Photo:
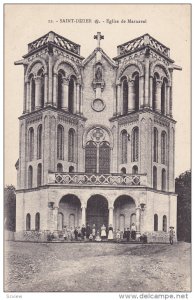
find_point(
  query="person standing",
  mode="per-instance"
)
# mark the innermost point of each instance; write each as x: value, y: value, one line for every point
x: 128, y: 234
x: 171, y: 234
x: 65, y: 233
x: 133, y: 231
x: 83, y: 231
x: 88, y: 231
x: 118, y: 235
x: 76, y: 234
x: 110, y: 232
x: 93, y: 232
x: 103, y: 232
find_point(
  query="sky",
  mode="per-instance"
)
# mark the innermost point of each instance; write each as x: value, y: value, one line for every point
x: 169, y: 24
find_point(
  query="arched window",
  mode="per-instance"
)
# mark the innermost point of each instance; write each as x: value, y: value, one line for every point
x: 163, y: 147
x: 163, y: 96
x: 154, y: 85
x: 59, y: 168
x: 135, y: 144
x: 28, y: 222
x: 32, y: 90
x: 37, y: 221
x: 71, y: 169
x: 125, y: 96
x: 71, y: 145
x: 154, y: 177
x: 42, y: 90
x: 39, y: 142
x: 39, y: 174
x: 31, y: 143
x: 71, y: 95
x: 61, y: 75
x: 60, y: 142
x: 124, y: 139
x: 135, y: 170
x: 104, y: 158
x: 136, y: 88
x: 163, y: 180
x: 155, y: 222
x: 123, y: 171
x: 91, y: 157
x: 165, y: 223
x: 155, y: 158
x: 30, y: 177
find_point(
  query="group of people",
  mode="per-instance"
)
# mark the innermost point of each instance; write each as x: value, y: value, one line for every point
x: 94, y: 234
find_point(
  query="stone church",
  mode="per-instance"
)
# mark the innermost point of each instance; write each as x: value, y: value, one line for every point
x: 97, y: 138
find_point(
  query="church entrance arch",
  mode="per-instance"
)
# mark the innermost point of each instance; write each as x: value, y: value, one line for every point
x: 124, y: 212
x: 70, y: 208
x: 97, y: 211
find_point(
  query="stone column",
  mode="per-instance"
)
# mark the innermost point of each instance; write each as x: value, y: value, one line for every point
x: 168, y: 100
x: 81, y: 100
x: 141, y: 92
x: 118, y: 110
x: 98, y: 155
x: 114, y: 100
x: 65, y: 86
x: 158, y: 96
x: 111, y: 208
x: 151, y: 92
x: 77, y: 98
x: 146, y: 100
x: 24, y: 99
x: 37, y: 92
x: 55, y: 89
x: 83, y: 217
x: 138, y: 213
x: 131, y: 96
x: 171, y: 95
x: 45, y: 89
x: 28, y: 96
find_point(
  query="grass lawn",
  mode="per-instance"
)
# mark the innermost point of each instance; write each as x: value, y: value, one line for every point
x: 93, y: 267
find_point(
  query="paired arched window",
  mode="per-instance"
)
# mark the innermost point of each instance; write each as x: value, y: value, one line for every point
x: 71, y: 145
x: 39, y: 142
x: 39, y: 174
x: 60, y: 142
x: 155, y: 157
x: 135, y: 144
x: 59, y: 168
x: 125, y: 95
x: 71, y: 94
x: 163, y: 147
x: 154, y: 177
x: 28, y: 222
x: 155, y: 222
x: 31, y: 143
x: 37, y: 221
x: 163, y: 180
x: 30, y: 177
x: 165, y: 223
x: 135, y: 170
x: 124, y: 139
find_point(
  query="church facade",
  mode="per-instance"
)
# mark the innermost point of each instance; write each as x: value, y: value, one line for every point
x: 97, y: 139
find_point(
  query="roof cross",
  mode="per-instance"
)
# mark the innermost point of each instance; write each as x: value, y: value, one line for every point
x: 98, y: 37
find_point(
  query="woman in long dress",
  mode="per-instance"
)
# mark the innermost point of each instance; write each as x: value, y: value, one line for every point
x: 103, y: 231
x: 93, y: 232
x: 110, y: 232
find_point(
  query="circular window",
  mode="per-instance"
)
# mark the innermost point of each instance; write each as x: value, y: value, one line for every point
x: 98, y: 104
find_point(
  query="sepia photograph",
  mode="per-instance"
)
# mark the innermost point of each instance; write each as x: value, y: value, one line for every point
x: 97, y: 148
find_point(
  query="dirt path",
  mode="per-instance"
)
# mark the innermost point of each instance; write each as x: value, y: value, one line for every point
x: 97, y: 267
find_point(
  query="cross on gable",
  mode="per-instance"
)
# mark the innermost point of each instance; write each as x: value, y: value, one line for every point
x: 98, y: 37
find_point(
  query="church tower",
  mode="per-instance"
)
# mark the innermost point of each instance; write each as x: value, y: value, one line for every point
x: 97, y: 138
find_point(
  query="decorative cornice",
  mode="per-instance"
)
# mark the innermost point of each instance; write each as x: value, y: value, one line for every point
x: 34, y: 119
x: 129, y: 119
x: 161, y: 121
x: 67, y: 119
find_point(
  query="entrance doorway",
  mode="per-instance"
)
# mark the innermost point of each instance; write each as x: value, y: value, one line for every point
x: 97, y: 211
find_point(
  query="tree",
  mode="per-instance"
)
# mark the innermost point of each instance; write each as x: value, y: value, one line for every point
x: 10, y: 207
x: 183, y: 189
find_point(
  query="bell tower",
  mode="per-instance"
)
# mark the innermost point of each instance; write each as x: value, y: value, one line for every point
x: 52, y: 109
x: 143, y: 111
